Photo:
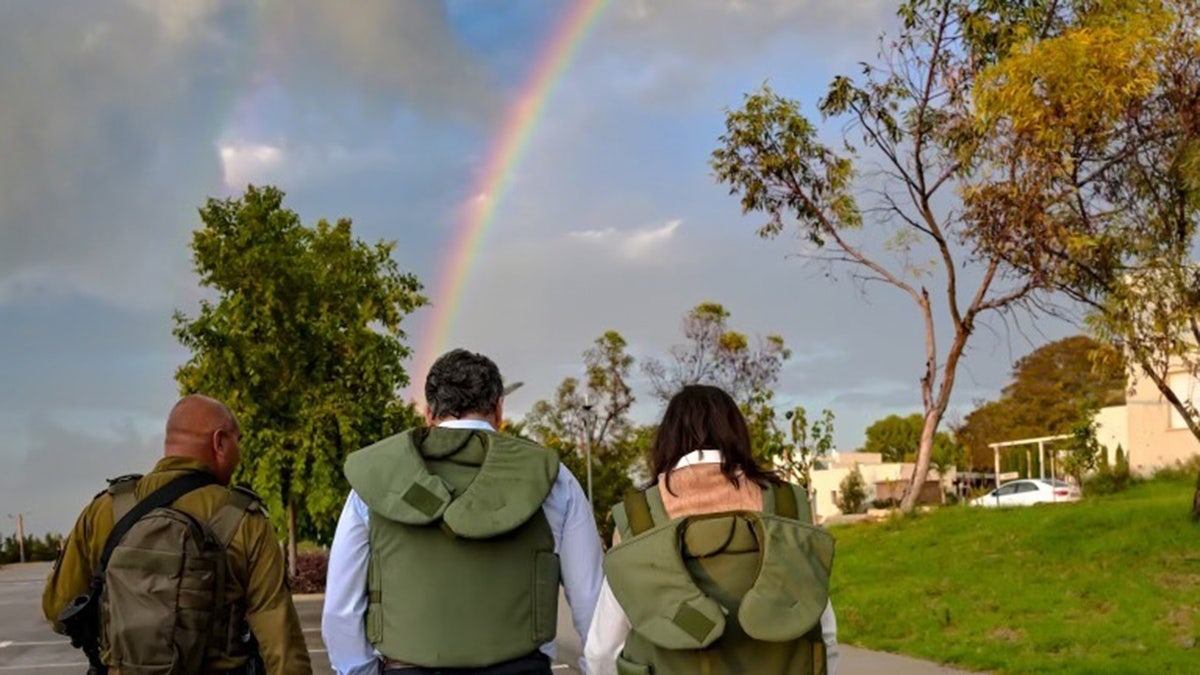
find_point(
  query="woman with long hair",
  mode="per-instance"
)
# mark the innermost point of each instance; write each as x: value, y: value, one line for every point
x: 722, y: 619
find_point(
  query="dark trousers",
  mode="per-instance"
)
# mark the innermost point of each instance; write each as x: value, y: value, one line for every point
x: 534, y: 664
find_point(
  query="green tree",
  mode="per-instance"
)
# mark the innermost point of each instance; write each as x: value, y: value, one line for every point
x: 716, y: 354
x: 796, y: 454
x: 910, y: 111
x: 897, y: 439
x: 1095, y: 143
x: 303, y: 341
x: 852, y: 492
x: 1048, y: 387
x: 1082, y: 452
x: 594, y: 413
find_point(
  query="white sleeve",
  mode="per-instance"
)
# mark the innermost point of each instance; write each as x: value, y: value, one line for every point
x: 606, y: 637
x: 343, y: 619
x: 829, y: 635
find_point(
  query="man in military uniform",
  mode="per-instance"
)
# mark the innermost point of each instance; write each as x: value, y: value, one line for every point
x: 202, y: 435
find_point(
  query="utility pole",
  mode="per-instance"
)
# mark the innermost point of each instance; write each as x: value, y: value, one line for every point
x: 20, y: 534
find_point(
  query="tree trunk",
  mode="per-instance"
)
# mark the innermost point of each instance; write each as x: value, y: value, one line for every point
x: 291, y: 539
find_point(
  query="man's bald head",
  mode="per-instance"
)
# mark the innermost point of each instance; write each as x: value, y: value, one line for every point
x: 203, y: 428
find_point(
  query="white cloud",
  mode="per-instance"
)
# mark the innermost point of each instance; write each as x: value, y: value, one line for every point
x: 243, y: 163
x: 631, y: 244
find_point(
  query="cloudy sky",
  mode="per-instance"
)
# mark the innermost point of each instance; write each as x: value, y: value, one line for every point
x: 119, y: 117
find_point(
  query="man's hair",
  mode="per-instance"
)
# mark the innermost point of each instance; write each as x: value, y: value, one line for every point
x: 461, y: 383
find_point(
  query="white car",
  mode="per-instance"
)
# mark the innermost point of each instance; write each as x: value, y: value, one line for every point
x: 1029, y: 491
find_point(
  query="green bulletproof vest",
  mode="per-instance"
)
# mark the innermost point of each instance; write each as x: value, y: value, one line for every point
x: 462, y: 571
x: 730, y: 592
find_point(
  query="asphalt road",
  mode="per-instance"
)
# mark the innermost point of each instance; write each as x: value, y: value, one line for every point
x: 28, y: 646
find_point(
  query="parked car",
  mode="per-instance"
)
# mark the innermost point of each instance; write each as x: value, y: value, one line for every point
x: 1029, y: 491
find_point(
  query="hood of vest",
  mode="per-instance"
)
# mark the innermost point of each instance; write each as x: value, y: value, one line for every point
x: 514, y: 478
x: 650, y: 579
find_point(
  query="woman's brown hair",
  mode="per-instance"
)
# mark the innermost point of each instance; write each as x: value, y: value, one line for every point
x: 702, y: 417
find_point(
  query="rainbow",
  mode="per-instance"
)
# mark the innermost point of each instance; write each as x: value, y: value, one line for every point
x: 503, y: 157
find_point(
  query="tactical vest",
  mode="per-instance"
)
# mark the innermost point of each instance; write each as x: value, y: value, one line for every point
x: 730, y: 592
x: 164, y: 606
x: 462, y: 570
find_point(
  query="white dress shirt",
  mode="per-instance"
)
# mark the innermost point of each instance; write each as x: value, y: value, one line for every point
x: 343, y: 620
x: 610, y: 625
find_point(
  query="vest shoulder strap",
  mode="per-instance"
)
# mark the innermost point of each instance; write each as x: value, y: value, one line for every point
x: 122, y: 490
x: 637, y: 512
x: 785, y: 501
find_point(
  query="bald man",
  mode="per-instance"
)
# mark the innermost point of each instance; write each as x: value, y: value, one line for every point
x: 202, y: 435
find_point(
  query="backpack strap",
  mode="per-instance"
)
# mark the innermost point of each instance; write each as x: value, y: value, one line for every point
x: 123, y: 491
x: 163, y: 496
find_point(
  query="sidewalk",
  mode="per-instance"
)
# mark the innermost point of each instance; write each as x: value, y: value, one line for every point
x: 856, y: 661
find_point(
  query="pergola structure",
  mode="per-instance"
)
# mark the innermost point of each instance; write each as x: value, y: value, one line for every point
x: 1029, y: 443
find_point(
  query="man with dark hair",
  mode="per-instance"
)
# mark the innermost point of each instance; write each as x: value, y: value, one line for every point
x: 454, y: 540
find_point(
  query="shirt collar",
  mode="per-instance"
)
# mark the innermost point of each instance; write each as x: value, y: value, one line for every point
x: 181, y: 464
x: 708, y: 456
x: 467, y: 424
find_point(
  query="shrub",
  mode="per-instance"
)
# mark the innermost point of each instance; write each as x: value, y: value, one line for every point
x: 853, y: 491
x: 889, y: 503
x: 311, y: 568
x: 1110, y: 479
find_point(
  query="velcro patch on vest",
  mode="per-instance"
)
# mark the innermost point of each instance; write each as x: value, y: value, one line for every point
x: 693, y: 622
x: 421, y: 499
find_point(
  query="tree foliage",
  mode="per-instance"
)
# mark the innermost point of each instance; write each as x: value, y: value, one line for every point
x: 852, y: 492
x: 1049, y: 386
x: 798, y: 451
x: 303, y: 341
x: 909, y: 109
x: 594, y: 410
x: 1082, y: 452
x: 716, y: 354
x: 897, y: 439
x: 1093, y: 173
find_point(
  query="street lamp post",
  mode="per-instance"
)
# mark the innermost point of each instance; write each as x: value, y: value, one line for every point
x: 587, y: 443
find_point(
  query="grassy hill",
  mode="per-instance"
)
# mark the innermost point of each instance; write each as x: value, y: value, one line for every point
x: 1107, y: 585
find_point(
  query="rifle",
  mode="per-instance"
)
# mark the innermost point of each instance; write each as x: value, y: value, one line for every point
x: 81, y: 622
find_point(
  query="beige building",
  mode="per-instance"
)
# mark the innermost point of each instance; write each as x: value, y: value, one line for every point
x: 1150, y: 429
x: 885, y: 480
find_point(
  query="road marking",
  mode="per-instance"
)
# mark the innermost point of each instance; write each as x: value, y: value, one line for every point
x: 73, y: 664
x: 35, y: 643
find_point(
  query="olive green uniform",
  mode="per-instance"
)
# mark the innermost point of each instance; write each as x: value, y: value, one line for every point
x: 257, y: 582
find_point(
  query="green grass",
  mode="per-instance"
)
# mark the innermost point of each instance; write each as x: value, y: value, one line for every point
x: 1107, y: 585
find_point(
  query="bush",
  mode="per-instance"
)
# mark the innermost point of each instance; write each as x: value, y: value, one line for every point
x: 1181, y: 471
x: 1110, y: 479
x: 311, y: 568
x: 853, y: 491
x: 889, y: 503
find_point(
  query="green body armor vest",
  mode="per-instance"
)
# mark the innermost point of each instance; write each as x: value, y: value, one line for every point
x: 731, y: 592
x: 462, y: 570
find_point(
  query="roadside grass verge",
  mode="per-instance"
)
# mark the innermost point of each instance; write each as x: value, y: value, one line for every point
x: 1107, y: 585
